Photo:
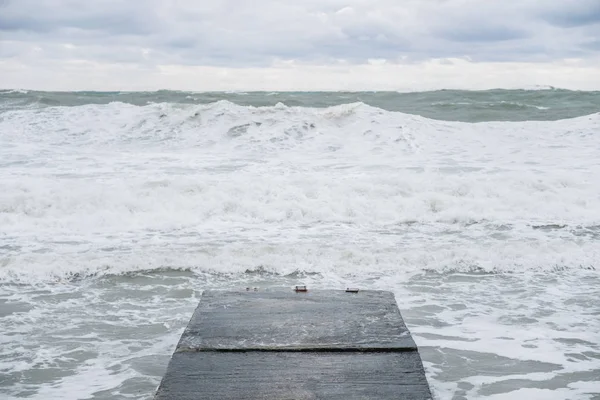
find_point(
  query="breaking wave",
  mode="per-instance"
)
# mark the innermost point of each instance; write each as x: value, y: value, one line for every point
x: 353, y: 189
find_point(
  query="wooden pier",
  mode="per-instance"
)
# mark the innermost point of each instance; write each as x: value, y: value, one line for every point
x: 296, y: 345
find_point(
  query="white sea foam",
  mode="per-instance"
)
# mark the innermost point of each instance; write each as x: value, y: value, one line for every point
x: 19, y: 91
x: 114, y: 188
x: 488, y: 104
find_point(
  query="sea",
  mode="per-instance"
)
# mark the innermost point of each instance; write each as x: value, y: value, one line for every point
x: 479, y: 210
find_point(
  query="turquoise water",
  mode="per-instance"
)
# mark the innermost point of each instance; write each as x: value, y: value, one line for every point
x: 451, y: 105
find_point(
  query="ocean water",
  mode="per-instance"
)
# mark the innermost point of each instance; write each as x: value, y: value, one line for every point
x: 479, y: 210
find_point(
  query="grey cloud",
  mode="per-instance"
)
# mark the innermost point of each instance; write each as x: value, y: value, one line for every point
x: 249, y: 33
x: 592, y: 45
x: 114, y: 24
x: 484, y: 33
x: 44, y: 16
x: 573, y: 13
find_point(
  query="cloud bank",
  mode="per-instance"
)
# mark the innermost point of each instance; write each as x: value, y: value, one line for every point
x: 298, y: 44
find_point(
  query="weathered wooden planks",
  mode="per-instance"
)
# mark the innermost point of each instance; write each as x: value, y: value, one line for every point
x: 286, y: 345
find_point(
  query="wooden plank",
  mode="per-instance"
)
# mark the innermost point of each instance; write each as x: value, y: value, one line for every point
x: 294, y: 376
x: 317, y: 319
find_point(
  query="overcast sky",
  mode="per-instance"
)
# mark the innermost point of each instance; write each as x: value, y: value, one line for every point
x: 298, y: 44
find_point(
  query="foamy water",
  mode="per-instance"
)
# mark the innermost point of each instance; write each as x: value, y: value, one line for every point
x: 114, y: 218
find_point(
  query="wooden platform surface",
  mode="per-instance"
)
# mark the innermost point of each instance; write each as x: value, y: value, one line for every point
x: 279, y: 344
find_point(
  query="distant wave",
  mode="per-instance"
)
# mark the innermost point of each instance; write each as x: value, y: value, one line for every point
x: 455, y: 105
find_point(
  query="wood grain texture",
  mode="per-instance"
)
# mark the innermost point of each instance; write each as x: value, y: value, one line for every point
x: 294, y: 376
x: 318, y: 319
x: 278, y: 345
